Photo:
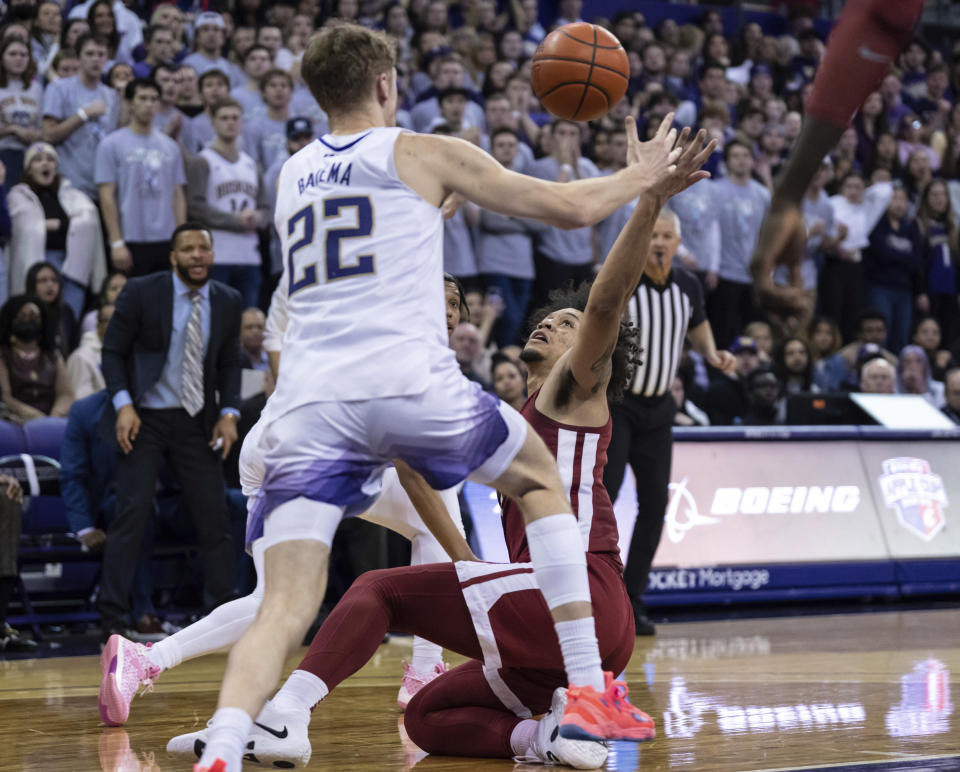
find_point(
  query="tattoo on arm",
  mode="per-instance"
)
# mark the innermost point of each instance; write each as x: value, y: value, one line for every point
x: 601, y: 365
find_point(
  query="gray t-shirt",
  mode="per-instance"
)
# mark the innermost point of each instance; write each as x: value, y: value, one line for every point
x: 458, y: 255
x: 146, y: 170
x: 252, y: 101
x: 505, y: 245
x: 696, y: 208
x: 196, y: 133
x: 265, y: 139
x: 20, y: 106
x: 202, y: 64
x: 571, y: 247
x: 740, y: 210
x: 78, y: 152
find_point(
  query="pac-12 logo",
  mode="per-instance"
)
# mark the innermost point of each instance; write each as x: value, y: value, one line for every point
x: 916, y: 494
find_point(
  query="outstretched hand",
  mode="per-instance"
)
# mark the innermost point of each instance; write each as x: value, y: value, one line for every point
x: 782, y: 241
x: 656, y: 158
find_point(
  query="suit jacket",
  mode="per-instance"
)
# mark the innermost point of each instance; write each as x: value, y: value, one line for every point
x: 88, y: 464
x: 137, y: 340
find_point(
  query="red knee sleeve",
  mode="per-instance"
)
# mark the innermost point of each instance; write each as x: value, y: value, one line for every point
x: 866, y: 39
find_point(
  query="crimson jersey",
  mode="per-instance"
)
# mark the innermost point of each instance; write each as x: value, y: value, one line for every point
x: 581, y: 453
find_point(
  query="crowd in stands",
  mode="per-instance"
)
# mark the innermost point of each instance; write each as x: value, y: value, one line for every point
x: 121, y: 121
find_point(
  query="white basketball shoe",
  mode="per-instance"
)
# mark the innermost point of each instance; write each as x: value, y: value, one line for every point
x: 548, y: 747
x: 277, y: 741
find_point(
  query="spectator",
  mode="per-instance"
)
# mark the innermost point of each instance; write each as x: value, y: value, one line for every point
x: 159, y: 44
x: 197, y: 132
x: 940, y: 286
x: 563, y: 256
x: 209, y: 31
x: 509, y: 382
x: 226, y: 194
x: 793, y: 366
x: 103, y: 24
x: 252, y: 354
x: 78, y: 113
x: 871, y: 331
x: 697, y: 212
x: 56, y: 222
x: 65, y: 64
x: 10, y: 516
x: 33, y: 377
x: 927, y: 335
x: 467, y: 344
x: 952, y: 395
x: 726, y: 399
x: 170, y: 17
x: 858, y: 209
x: 914, y: 377
x: 109, y: 291
x: 825, y: 340
x: 265, y: 136
x: 188, y: 94
x: 878, y: 376
x: 688, y: 414
x: 741, y: 204
x: 141, y: 178
x: 167, y: 118
x: 45, y: 34
x: 762, y: 335
x: 170, y: 350
x: 84, y: 372
x: 891, y: 268
x: 127, y: 23
x: 449, y: 74
x: 763, y: 398
x: 45, y: 282
x: 256, y: 63
x: 505, y: 251
x: 21, y: 100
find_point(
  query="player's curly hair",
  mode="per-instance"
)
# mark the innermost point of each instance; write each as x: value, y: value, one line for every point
x: 627, y: 354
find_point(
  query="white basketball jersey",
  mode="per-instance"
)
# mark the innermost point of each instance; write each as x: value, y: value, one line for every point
x: 232, y: 187
x: 363, y: 262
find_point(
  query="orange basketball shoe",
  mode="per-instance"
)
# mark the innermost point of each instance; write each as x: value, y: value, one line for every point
x: 606, y: 715
x: 218, y: 766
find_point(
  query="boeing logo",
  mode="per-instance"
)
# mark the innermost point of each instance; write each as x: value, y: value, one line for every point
x: 683, y: 514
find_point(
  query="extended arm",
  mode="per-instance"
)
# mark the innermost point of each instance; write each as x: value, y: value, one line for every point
x: 434, y: 165
x: 198, y: 207
x: 434, y: 514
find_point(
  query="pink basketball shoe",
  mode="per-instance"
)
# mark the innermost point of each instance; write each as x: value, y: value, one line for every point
x: 125, y: 668
x: 413, y: 682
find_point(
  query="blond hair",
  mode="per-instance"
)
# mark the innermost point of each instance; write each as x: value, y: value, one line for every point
x: 342, y: 62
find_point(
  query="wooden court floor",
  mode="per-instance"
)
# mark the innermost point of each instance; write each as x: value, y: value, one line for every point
x: 729, y: 696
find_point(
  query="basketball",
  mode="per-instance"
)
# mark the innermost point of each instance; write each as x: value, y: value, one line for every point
x: 579, y: 72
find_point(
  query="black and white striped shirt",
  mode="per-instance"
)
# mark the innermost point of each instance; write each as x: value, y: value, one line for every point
x: 663, y: 313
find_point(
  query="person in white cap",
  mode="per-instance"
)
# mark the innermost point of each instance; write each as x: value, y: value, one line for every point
x: 209, y: 31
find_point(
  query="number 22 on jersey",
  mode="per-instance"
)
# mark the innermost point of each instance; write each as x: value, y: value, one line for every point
x: 305, y: 221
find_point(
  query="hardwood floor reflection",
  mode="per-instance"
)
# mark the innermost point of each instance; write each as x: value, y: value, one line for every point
x: 727, y: 696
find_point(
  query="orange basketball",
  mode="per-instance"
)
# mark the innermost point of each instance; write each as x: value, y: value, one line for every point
x: 580, y: 71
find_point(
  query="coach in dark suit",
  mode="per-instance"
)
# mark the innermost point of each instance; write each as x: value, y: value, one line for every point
x: 171, y: 362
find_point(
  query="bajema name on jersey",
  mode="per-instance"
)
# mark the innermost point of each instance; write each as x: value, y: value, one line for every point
x: 332, y: 172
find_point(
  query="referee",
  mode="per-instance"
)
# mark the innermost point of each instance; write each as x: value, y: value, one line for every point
x: 666, y: 306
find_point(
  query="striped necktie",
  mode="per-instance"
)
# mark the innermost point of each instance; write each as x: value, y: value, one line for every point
x: 191, y: 383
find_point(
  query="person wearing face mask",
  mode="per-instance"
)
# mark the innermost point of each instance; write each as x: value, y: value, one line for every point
x: 54, y: 221
x: 33, y: 376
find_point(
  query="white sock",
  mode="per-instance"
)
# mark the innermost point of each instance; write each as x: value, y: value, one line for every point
x: 581, y: 656
x: 300, y: 693
x: 522, y: 736
x: 426, y: 655
x: 221, y: 628
x: 227, y: 740
x: 560, y: 565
